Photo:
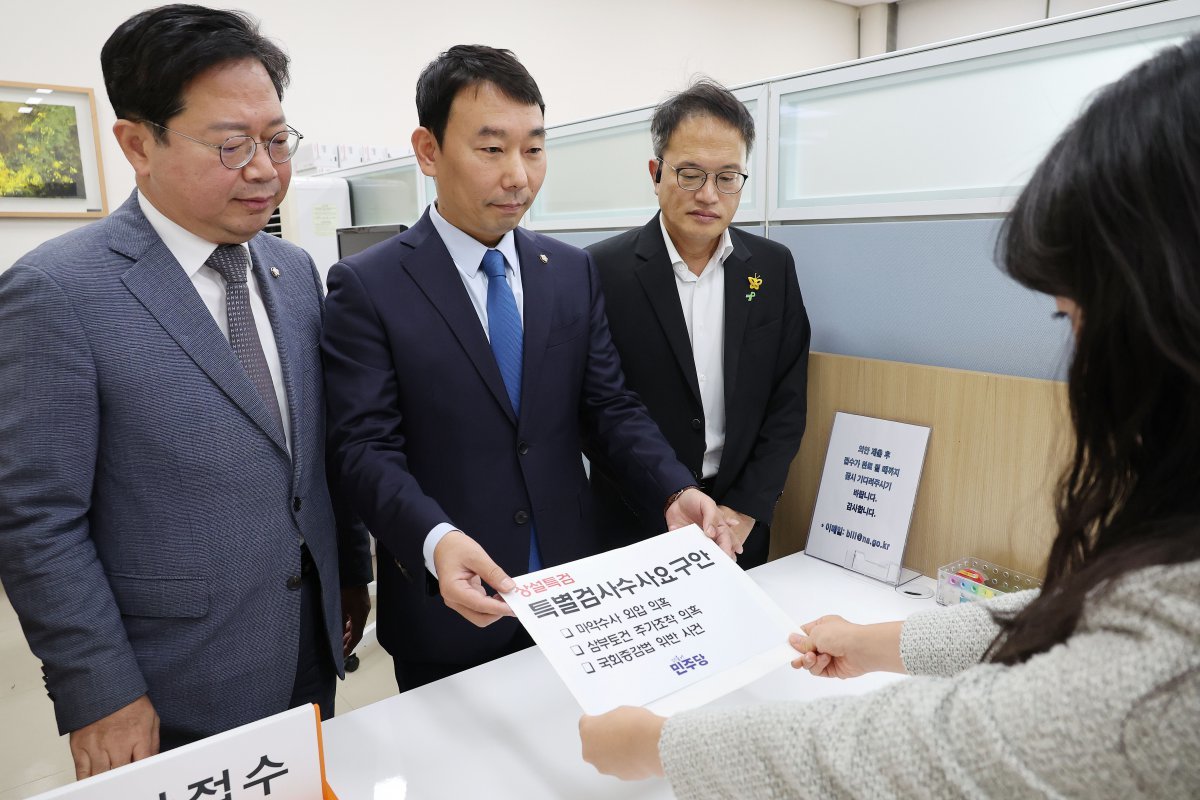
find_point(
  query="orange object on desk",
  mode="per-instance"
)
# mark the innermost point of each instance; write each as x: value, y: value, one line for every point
x: 972, y: 575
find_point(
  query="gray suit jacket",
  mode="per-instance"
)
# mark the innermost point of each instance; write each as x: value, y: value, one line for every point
x: 149, y: 517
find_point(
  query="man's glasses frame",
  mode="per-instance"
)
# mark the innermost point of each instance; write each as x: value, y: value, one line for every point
x: 685, y: 176
x: 233, y: 152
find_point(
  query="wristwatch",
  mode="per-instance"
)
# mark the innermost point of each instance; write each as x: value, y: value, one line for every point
x: 671, y: 500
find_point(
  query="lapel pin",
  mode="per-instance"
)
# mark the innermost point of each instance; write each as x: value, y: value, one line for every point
x: 756, y: 283
x: 274, y: 272
x: 544, y: 258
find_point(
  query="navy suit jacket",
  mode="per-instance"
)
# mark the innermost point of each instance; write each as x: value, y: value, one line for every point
x: 150, y: 513
x: 422, y: 430
x: 765, y: 369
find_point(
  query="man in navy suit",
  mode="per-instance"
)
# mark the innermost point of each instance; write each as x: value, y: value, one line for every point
x: 167, y: 536
x: 710, y: 325
x: 464, y: 360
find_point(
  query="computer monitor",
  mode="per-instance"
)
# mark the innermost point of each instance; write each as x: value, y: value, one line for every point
x: 360, y: 237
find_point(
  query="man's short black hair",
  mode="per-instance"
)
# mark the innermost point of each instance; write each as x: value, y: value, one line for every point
x: 704, y: 98
x: 466, y: 65
x: 152, y: 56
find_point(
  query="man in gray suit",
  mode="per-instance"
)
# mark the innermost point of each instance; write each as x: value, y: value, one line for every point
x: 166, y: 532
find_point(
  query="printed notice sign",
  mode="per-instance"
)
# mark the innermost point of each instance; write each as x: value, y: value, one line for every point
x: 325, y: 219
x: 668, y: 623
x: 278, y: 757
x: 865, y: 502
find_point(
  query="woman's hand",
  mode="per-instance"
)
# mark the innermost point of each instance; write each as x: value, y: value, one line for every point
x: 623, y: 743
x: 834, y: 648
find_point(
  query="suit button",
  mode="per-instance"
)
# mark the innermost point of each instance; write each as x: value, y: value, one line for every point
x: 521, y: 517
x: 295, y: 504
x: 293, y: 582
x: 523, y: 448
x: 697, y: 425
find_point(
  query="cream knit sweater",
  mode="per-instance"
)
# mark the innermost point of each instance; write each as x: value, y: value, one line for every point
x: 1112, y: 712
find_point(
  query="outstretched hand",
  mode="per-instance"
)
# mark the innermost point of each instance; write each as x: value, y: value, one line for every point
x: 831, y: 647
x: 463, y: 567
x: 695, y: 507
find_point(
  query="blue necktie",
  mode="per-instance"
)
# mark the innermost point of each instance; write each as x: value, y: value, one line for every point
x: 504, y: 326
x: 507, y: 338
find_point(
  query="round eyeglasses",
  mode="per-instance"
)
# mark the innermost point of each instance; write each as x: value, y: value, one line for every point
x: 238, y: 151
x: 692, y: 179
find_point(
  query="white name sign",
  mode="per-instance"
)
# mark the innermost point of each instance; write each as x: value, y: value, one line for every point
x: 668, y: 623
x: 865, y: 502
x: 277, y: 757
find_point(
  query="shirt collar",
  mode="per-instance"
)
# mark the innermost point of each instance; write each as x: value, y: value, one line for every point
x: 189, y: 250
x: 724, y: 247
x: 466, y: 251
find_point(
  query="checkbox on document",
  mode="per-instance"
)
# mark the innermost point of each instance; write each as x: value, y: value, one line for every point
x: 588, y: 668
x: 576, y: 649
x: 567, y: 634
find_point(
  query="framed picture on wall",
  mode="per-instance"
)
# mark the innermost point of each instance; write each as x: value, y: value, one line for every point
x: 49, y: 152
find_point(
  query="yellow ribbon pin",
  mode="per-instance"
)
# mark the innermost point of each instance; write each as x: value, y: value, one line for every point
x: 756, y: 283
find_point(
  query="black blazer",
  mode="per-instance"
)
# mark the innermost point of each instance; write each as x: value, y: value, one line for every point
x: 765, y: 366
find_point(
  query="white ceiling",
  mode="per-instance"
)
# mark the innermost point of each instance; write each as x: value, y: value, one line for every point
x: 860, y: 2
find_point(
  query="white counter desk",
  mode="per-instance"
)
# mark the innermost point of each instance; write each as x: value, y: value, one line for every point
x: 508, y: 729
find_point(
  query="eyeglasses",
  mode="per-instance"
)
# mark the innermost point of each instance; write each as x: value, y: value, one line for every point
x: 692, y: 179
x: 238, y: 151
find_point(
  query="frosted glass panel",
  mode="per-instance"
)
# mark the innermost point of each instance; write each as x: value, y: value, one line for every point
x: 757, y: 165
x: 970, y: 129
x: 598, y: 174
x: 385, y: 196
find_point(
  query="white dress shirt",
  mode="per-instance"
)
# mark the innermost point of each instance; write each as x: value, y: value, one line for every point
x: 702, y: 298
x: 191, y: 252
x: 467, y: 254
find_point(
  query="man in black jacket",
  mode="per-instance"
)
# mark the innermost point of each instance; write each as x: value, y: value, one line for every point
x: 709, y: 323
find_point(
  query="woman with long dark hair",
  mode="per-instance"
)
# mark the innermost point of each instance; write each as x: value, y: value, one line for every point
x: 1092, y: 686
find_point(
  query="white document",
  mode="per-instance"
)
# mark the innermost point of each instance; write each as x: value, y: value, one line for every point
x: 669, y: 623
x: 865, y: 501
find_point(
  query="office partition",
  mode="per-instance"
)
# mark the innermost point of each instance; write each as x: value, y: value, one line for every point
x: 888, y: 179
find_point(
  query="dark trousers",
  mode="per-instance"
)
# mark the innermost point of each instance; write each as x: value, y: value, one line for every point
x: 316, y: 676
x: 757, y: 546
x: 413, y: 674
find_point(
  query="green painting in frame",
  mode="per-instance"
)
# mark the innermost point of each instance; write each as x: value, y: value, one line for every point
x: 49, y: 152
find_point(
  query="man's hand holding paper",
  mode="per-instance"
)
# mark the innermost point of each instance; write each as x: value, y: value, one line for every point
x: 694, y: 507
x: 462, y: 569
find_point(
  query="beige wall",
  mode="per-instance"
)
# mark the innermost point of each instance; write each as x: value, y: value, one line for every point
x: 921, y: 22
x: 355, y: 62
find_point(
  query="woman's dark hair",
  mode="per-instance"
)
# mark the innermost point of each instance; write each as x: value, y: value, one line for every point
x: 464, y: 66
x: 1111, y: 221
x: 704, y: 98
x: 150, y: 59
